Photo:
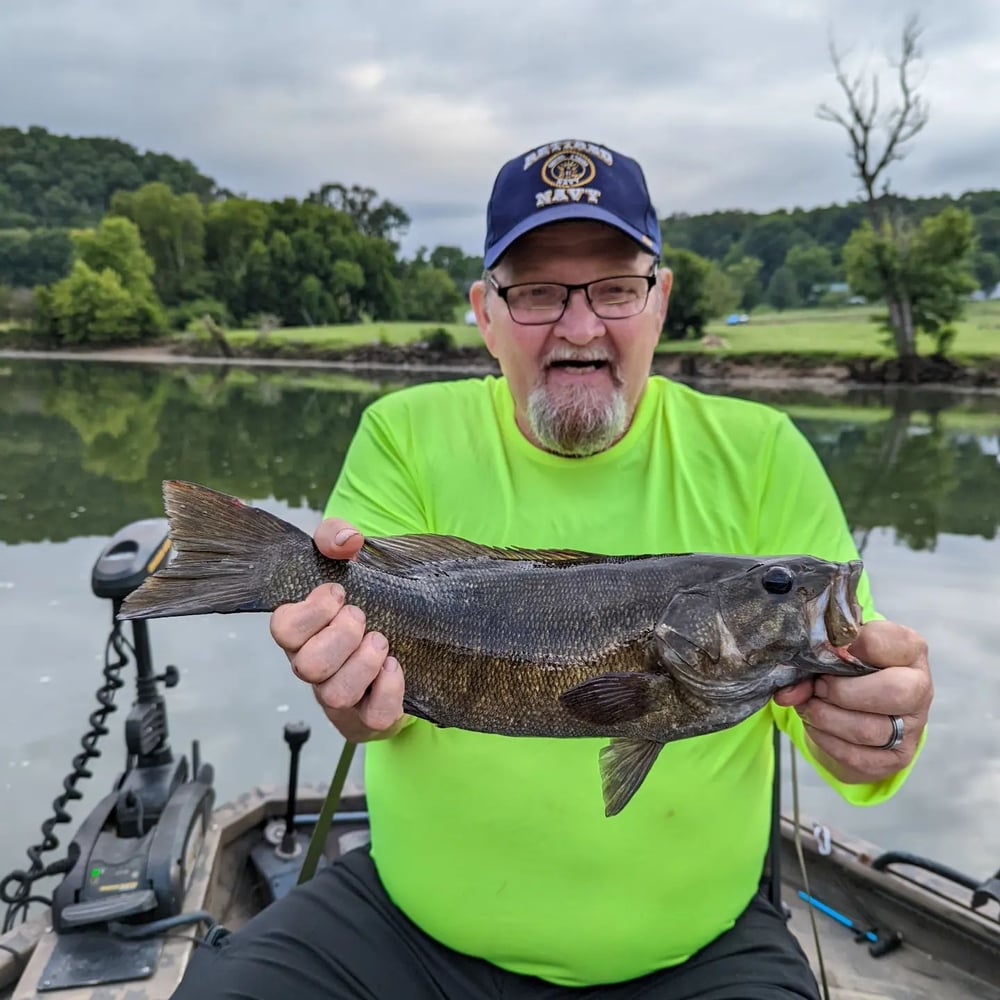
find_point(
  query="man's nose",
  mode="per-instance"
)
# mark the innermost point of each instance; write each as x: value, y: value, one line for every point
x: 579, y: 323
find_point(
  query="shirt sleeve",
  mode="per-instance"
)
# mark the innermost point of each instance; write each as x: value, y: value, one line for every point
x: 378, y: 486
x: 800, y: 513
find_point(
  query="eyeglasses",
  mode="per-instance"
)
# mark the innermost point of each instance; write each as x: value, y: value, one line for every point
x: 539, y: 303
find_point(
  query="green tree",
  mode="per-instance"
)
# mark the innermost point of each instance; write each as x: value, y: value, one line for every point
x: 694, y: 295
x: 462, y: 268
x: 108, y: 295
x: 30, y: 257
x: 91, y: 306
x: 769, y: 238
x: 986, y: 267
x: 428, y: 293
x: 373, y: 216
x: 172, y: 227
x: 744, y: 273
x: 232, y: 227
x: 932, y: 261
x: 811, y: 265
x: 117, y: 246
x: 888, y: 227
x: 63, y: 181
x: 783, y: 289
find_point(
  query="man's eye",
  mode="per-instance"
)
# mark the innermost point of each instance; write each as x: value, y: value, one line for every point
x: 534, y: 295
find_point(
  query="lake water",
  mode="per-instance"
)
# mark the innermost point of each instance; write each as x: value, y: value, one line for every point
x: 84, y: 447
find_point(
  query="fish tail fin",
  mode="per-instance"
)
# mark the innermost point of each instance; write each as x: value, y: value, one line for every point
x: 218, y: 564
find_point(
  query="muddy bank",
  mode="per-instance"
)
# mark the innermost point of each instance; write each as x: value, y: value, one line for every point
x: 429, y: 358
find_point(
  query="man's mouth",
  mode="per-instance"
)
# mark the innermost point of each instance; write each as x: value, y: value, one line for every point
x: 580, y: 365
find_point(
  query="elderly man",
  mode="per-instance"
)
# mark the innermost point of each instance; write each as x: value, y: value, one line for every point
x: 493, y: 870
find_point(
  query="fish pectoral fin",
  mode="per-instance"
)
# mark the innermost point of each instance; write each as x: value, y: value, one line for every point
x: 611, y: 698
x: 625, y: 762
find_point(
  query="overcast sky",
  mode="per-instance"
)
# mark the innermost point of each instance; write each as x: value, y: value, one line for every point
x: 423, y: 99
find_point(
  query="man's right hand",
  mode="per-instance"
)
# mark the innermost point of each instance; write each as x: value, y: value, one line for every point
x: 355, y: 680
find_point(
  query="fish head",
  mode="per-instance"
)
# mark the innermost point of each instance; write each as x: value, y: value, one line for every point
x: 774, y: 623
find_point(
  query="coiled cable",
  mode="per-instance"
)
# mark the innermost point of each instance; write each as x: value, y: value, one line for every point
x: 17, y: 889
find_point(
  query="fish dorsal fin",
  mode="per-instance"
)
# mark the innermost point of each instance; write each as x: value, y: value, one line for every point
x: 409, y: 555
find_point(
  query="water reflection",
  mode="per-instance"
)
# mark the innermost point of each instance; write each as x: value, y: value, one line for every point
x: 84, y: 447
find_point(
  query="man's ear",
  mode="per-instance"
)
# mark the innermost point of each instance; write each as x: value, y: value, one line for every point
x: 478, y: 299
x: 665, y: 281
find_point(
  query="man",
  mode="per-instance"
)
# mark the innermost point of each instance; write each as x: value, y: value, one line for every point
x: 493, y: 870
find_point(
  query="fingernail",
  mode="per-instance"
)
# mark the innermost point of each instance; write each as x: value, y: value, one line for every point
x: 339, y: 594
x: 391, y: 664
x: 345, y: 535
x: 379, y: 642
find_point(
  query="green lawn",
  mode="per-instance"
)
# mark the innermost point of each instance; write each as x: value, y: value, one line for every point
x: 848, y: 331
x: 845, y: 331
x: 356, y: 334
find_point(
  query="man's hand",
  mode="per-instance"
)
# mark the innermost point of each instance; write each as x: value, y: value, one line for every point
x: 848, y: 719
x: 355, y: 680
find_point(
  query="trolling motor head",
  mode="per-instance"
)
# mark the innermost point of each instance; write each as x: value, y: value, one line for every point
x: 132, y: 554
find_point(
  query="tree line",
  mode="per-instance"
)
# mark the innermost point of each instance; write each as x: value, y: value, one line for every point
x: 121, y: 244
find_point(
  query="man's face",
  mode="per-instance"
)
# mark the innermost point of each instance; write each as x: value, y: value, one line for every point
x: 561, y: 404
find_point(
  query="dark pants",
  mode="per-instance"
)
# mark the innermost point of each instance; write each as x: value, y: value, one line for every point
x: 340, y: 936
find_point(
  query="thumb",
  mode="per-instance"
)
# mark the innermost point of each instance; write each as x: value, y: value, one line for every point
x: 338, y: 539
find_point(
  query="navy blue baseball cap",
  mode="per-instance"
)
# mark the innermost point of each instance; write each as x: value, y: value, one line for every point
x: 569, y: 179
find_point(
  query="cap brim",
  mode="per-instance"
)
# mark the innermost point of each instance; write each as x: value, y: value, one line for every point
x: 558, y: 213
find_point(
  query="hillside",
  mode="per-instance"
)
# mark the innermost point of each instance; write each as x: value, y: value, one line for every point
x: 58, y: 181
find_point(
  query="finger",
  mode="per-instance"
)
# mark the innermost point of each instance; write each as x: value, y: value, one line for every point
x: 347, y: 686
x: 294, y: 624
x: 891, y: 691
x: 886, y: 644
x: 796, y: 694
x: 338, y: 539
x: 383, y: 705
x: 858, y: 763
x: 867, y: 729
x: 328, y: 650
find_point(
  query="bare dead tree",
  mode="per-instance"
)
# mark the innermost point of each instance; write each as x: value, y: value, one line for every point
x: 877, y: 140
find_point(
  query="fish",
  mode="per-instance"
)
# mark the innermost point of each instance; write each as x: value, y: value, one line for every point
x: 640, y: 649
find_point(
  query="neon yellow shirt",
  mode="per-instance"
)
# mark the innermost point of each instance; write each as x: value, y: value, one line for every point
x: 498, y: 846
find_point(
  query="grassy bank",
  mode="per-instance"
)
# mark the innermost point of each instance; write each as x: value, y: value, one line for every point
x: 799, y: 339
x: 849, y: 332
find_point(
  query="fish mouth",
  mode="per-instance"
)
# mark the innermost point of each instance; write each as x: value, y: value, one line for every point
x: 834, y: 623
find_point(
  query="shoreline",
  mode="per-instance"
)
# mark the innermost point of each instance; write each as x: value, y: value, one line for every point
x: 416, y: 360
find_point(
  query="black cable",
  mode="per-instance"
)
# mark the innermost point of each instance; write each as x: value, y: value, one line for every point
x: 17, y: 888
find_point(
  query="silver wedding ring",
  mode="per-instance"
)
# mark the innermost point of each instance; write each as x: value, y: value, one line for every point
x: 897, y: 733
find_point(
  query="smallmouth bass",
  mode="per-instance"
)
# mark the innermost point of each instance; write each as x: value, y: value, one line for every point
x: 641, y: 649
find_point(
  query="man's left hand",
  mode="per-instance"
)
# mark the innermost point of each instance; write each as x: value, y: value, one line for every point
x: 848, y: 720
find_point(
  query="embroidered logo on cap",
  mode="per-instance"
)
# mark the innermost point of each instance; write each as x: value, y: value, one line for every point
x: 568, y: 170
x: 567, y: 174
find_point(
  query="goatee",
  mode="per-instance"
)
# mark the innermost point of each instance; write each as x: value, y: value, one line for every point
x: 577, y: 421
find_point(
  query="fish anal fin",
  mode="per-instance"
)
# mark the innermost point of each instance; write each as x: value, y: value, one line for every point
x: 611, y: 698
x: 625, y: 762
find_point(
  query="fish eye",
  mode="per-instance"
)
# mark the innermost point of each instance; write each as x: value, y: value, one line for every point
x: 778, y: 580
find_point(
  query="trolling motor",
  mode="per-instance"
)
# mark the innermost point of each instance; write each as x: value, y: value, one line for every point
x: 130, y: 861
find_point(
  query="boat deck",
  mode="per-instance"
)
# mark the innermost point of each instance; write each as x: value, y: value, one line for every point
x: 948, y: 951
x: 908, y: 973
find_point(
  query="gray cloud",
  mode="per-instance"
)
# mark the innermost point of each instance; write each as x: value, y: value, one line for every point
x: 423, y: 101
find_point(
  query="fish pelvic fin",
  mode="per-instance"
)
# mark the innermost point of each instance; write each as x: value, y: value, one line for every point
x: 625, y: 762
x: 217, y: 567
x: 612, y: 698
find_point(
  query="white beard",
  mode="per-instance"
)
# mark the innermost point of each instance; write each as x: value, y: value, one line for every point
x: 577, y: 422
